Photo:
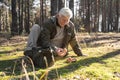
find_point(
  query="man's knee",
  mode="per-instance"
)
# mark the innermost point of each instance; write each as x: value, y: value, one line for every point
x: 36, y: 27
x: 43, y: 59
x: 28, y: 53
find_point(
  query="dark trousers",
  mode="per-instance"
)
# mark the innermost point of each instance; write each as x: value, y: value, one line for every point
x: 41, y: 58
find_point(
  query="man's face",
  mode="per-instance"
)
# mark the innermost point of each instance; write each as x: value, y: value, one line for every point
x: 63, y: 20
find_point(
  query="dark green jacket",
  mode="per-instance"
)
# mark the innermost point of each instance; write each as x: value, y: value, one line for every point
x: 49, y: 31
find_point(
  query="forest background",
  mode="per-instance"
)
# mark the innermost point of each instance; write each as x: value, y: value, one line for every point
x: 97, y: 23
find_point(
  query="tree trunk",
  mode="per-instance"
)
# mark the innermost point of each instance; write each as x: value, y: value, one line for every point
x: 28, y: 16
x: 27, y: 30
x: 14, y: 27
x: 87, y: 20
x: 71, y: 5
x: 109, y: 24
x: 117, y: 16
x: 21, y: 19
x: 41, y: 12
x: 54, y: 7
x: 98, y: 14
x: 6, y: 22
x: 104, y: 16
x: 60, y: 4
x: 0, y: 19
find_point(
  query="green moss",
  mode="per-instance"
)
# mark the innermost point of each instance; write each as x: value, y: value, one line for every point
x: 100, y: 64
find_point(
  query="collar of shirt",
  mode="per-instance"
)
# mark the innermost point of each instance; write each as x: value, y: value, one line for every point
x: 57, y: 23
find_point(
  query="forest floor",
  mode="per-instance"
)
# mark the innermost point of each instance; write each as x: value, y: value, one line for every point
x: 101, y: 63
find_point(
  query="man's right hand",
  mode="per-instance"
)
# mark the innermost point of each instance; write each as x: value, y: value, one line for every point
x: 61, y: 52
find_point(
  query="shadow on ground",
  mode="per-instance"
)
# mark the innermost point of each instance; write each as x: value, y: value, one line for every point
x: 84, y: 62
x: 99, y: 40
x: 7, y: 66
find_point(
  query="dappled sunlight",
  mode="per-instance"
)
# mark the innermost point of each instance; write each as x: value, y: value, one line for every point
x: 101, y: 63
x: 92, y: 25
x: 11, y: 57
x: 86, y: 62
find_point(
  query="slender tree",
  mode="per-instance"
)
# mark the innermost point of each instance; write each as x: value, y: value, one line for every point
x: 19, y: 17
x: 104, y: 16
x: 6, y: 22
x: 87, y: 19
x: 109, y: 18
x: 28, y: 16
x: 54, y: 7
x: 26, y: 19
x: 117, y: 16
x: 14, y: 27
x: 0, y: 19
x: 41, y: 12
x: 71, y: 5
x: 60, y: 4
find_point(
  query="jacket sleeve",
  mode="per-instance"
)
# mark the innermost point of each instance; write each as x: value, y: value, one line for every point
x: 45, y: 36
x: 74, y: 43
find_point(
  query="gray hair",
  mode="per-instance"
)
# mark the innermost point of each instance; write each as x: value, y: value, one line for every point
x: 66, y: 12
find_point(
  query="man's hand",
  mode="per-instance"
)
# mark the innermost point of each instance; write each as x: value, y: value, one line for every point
x: 61, y: 52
